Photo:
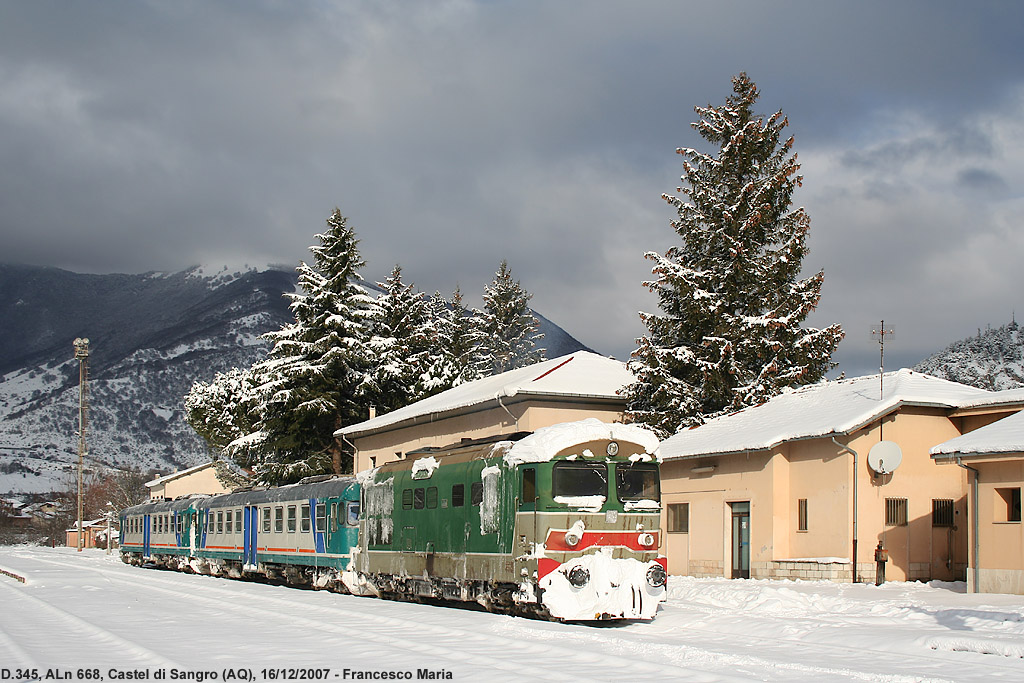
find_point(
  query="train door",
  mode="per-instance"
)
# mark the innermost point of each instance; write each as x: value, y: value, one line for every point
x: 740, y: 540
x: 250, y: 524
x: 145, y: 537
x: 526, y: 514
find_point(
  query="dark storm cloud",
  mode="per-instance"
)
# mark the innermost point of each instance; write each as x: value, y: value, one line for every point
x: 154, y: 135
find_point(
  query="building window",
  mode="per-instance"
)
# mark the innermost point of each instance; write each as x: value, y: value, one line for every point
x: 679, y: 518
x: 896, y: 511
x: 801, y: 514
x: 942, y: 512
x: 1008, y: 505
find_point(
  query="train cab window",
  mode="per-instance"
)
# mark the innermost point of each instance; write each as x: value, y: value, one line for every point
x: 577, y: 479
x: 458, y: 495
x: 229, y: 520
x: 321, y: 517
x: 220, y: 522
x: 407, y: 499
x: 266, y: 520
x: 529, y: 492
x: 418, y: 498
x: 476, y: 493
x: 431, y: 497
x: 291, y: 519
x: 278, y: 519
x: 638, y: 482
x: 352, y: 513
x: 238, y: 521
x: 304, y: 523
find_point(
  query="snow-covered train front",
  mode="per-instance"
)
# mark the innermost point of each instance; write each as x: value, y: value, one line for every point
x: 563, y: 522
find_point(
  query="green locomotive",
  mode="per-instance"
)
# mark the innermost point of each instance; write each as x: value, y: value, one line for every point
x: 561, y: 523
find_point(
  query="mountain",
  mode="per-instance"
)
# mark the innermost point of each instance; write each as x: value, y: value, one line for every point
x: 151, y: 336
x: 993, y: 360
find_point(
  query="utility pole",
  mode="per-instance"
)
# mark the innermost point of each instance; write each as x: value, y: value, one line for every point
x: 82, y: 355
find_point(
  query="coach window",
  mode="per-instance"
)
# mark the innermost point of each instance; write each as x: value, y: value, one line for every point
x: 418, y: 498
x: 407, y: 499
x: 431, y: 497
x: 458, y: 495
x: 476, y: 493
x: 181, y: 522
x: 352, y: 513
x: 266, y: 520
x: 291, y: 519
x: 278, y: 519
x: 220, y: 522
x: 229, y: 521
x: 238, y: 521
x: 305, y: 520
x: 321, y: 517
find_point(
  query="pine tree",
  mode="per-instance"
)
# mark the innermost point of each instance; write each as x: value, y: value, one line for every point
x: 317, y: 365
x: 225, y: 409
x: 454, y: 344
x: 398, y: 344
x: 729, y: 334
x: 506, y: 327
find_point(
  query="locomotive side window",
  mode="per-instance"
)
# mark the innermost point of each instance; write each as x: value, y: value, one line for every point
x: 352, y: 513
x: 458, y: 495
x: 266, y: 520
x: 291, y: 519
x: 278, y: 519
x: 573, y: 479
x: 418, y: 499
x: 431, y: 497
x: 304, y: 524
x: 321, y: 517
x: 407, y: 499
x: 476, y: 493
x: 529, y: 492
x: 638, y: 482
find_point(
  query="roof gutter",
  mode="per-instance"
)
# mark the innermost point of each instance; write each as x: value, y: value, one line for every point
x: 846, y: 448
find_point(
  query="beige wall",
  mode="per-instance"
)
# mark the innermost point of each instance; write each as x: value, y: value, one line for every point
x: 818, y: 471
x: 523, y: 415
x: 200, y: 481
x: 1001, y: 560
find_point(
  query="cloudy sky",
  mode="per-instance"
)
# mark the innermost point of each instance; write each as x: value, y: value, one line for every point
x: 138, y: 136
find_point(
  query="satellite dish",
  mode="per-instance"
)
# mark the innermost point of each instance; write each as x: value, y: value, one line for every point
x: 884, y: 457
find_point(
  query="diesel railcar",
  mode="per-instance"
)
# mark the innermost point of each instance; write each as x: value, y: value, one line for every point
x: 561, y: 523
x: 300, y: 534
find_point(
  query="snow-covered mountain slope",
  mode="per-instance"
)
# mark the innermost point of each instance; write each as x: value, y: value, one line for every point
x: 151, y: 336
x: 993, y: 360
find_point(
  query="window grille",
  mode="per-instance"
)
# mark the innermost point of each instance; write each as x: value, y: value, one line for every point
x: 896, y: 511
x: 942, y: 512
x: 801, y: 509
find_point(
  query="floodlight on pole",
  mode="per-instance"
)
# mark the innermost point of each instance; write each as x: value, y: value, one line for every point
x: 82, y: 356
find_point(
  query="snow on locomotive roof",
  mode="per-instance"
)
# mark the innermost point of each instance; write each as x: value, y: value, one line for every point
x: 546, y: 442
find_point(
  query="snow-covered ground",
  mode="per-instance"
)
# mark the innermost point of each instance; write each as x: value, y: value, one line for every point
x: 80, y: 614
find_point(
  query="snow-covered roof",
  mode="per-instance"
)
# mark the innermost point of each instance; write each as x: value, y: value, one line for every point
x: 827, y: 408
x: 1002, y: 436
x: 175, y: 475
x: 577, y: 375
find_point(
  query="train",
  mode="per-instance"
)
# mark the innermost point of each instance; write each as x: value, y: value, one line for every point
x: 562, y: 523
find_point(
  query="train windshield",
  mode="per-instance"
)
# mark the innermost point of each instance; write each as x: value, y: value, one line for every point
x: 575, y: 479
x: 638, y: 482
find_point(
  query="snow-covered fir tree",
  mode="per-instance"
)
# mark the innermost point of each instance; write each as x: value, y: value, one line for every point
x: 729, y: 333
x: 317, y: 366
x: 454, y: 343
x: 506, y: 327
x: 993, y: 360
x: 399, y: 345
x: 224, y: 409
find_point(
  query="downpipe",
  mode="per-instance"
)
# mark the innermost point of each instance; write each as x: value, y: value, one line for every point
x: 975, y: 545
x: 843, y: 447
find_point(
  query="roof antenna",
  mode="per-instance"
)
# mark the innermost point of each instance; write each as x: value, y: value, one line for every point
x: 880, y: 332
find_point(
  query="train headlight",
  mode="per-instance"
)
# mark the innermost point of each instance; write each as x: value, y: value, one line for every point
x: 579, y: 576
x: 572, y: 538
x: 646, y: 540
x: 656, y: 576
